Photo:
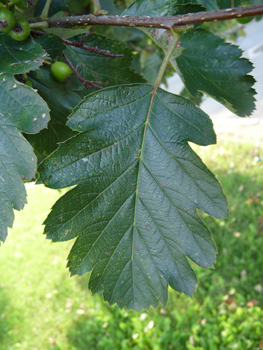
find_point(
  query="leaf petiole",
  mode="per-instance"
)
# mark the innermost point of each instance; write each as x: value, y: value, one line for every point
x: 174, y: 43
x: 44, y: 13
x: 158, y: 80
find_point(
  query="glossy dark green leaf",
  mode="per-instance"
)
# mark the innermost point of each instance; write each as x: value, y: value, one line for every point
x: 22, y: 110
x: 96, y: 67
x: 139, y: 184
x: 20, y: 56
x: 210, y: 65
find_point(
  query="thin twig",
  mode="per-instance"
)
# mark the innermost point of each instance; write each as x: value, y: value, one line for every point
x: 88, y: 84
x: 95, y: 49
x: 155, y: 22
x: 84, y: 37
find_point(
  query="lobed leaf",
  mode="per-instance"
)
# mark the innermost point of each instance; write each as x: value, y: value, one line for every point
x: 210, y: 65
x: 139, y: 183
x: 21, y: 109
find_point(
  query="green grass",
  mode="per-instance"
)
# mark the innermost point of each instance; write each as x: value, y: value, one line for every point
x: 42, y: 308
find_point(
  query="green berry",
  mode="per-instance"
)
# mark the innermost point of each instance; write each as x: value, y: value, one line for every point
x: 7, y: 20
x: 61, y: 71
x: 21, y: 30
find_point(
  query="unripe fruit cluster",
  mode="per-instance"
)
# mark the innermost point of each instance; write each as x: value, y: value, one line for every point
x: 18, y: 28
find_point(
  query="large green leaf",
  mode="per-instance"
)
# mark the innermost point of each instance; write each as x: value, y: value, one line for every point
x: 21, y: 110
x: 210, y: 65
x: 139, y: 184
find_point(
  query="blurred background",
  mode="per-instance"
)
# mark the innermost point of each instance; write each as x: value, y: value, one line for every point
x: 43, y: 308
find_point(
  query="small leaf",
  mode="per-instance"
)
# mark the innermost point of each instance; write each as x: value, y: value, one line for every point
x: 21, y: 109
x: 139, y: 184
x: 210, y: 65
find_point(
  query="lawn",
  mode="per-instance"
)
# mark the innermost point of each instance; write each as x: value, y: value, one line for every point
x: 43, y: 308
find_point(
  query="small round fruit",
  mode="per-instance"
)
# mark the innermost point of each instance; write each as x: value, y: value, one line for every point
x: 61, y: 71
x: 21, y: 30
x: 244, y: 20
x: 26, y: 4
x: 7, y: 20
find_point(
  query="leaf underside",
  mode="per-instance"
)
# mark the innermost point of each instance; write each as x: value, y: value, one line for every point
x: 139, y: 184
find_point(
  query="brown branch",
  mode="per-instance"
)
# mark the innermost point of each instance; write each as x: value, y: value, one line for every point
x: 95, y: 49
x: 155, y: 22
x: 88, y: 84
